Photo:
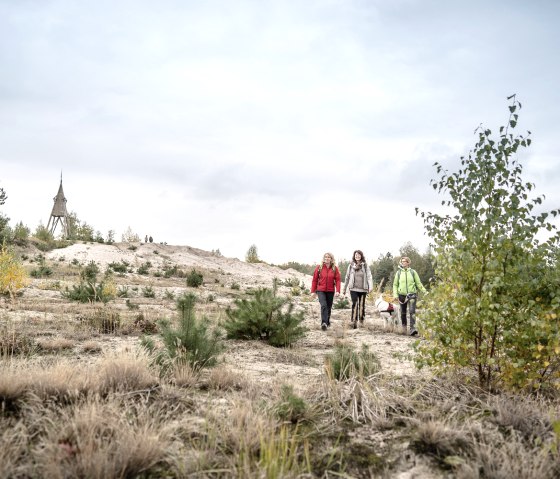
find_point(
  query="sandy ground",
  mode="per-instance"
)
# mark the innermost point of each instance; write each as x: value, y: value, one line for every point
x: 254, y: 359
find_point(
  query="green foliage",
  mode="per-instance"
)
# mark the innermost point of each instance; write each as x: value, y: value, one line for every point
x: 235, y: 286
x: 80, y: 230
x: 121, y: 267
x: 191, y: 342
x: 21, y: 234
x: 89, y: 290
x: 43, y: 234
x: 252, y: 255
x: 291, y: 407
x: 144, y: 268
x: 345, y: 363
x: 423, y: 264
x: 194, y: 279
x: 382, y: 269
x: 148, y: 292
x: 496, y: 306
x: 265, y: 316
x: 43, y: 270
x: 341, y: 303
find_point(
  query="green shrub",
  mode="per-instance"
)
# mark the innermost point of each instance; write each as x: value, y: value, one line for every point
x: 43, y: 270
x: 169, y: 294
x: 121, y: 267
x: 265, y: 316
x: 123, y: 292
x: 345, y: 363
x: 89, y: 290
x: 235, y: 286
x: 291, y: 407
x: 144, y: 268
x: 341, y: 303
x: 148, y: 292
x: 194, y: 279
x: 190, y: 342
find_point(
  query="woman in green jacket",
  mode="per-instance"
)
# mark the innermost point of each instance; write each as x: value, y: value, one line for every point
x: 405, y: 288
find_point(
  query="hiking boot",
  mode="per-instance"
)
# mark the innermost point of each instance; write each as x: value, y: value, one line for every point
x: 324, y: 326
x: 414, y: 332
x: 355, y: 325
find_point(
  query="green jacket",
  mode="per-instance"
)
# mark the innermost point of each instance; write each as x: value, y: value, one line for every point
x: 407, y: 281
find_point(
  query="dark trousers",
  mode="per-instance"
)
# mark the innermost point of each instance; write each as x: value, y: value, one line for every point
x: 411, y: 303
x: 358, y: 305
x: 326, y: 301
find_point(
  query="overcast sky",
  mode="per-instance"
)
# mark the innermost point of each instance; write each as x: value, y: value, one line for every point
x: 299, y: 126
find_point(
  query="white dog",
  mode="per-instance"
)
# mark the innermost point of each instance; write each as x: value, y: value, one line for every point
x: 388, y: 311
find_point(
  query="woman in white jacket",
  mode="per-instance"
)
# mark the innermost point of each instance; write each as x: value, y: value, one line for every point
x: 358, y: 280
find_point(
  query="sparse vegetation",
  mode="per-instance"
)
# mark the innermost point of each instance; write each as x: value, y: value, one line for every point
x: 345, y: 363
x: 194, y: 279
x: 265, y: 316
x: 89, y: 290
x: 191, y: 342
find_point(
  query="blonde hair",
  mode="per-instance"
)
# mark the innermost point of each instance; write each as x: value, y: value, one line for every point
x: 406, y: 258
x: 333, y: 261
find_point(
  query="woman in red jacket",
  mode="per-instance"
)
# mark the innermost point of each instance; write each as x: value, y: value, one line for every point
x: 326, y: 280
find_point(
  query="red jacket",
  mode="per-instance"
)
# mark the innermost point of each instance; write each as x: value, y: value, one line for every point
x: 327, y: 281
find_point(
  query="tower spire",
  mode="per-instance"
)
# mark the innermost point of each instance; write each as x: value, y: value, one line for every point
x: 59, y: 214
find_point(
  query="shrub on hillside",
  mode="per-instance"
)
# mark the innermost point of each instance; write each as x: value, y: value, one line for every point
x: 13, y: 276
x: 265, y: 316
x: 89, y: 290
x: 191, y: 342
x: 194, y: 279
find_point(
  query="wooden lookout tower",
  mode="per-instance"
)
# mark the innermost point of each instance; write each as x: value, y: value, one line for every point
x: 59, y: 214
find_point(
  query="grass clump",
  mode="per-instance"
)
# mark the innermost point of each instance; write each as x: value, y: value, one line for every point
x: 103, y: 320
x: 190, y: 342
x: 291, y: 407
x: 265, y: 316
x: 345, y: 363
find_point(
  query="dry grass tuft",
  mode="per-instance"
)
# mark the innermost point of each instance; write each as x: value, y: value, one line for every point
x: 496, y: 457
x: 55, y: 345
x: 96, y: 440
x: 530, y: 417
x: 184, y: 375
x: 125, y: 373
x: 222, y: 378
x: 13, y: 451
x: 91, y: 347
x: 13, y: 388
x: 440, y: 440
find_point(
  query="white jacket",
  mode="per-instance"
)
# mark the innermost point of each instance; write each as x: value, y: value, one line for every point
x: 349, y: 279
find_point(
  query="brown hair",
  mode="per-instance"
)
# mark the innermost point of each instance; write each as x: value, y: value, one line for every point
x: 359, y: 251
